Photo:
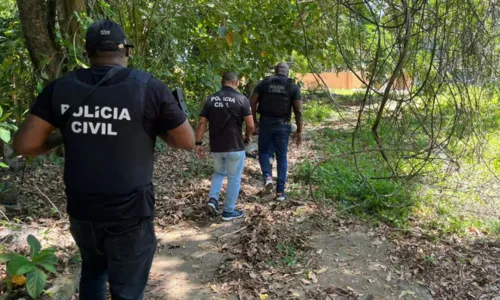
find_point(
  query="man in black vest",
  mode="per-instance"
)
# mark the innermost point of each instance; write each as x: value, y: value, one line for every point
x: 109, y: 140
x: 225, y: 112
x: 276, y: 96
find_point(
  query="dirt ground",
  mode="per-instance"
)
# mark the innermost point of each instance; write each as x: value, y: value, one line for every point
x: 201, y: 257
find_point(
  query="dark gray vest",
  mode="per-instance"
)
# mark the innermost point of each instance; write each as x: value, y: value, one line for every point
x: 276, y: 98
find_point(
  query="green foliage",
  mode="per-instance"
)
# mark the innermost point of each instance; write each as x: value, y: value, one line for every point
x: 316, y: 112
x: 33, y: 267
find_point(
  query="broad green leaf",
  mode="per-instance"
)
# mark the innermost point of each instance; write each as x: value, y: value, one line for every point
x: 1, y: 111
x: 19, y: 266
x: 8, y: 126
x: 45, y: 76
x: 4, y: 135
x: 3, y: 165
x: 48, y: 267
x: 6, y: 257
x: 35, y: 245
x: 35, y: 282
x: 5, y: 117
x: 45, y: 257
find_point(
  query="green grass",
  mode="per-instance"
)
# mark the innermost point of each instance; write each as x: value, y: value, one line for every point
x: 316, y: 112
x: 442, y: 202
x: 339, y: 183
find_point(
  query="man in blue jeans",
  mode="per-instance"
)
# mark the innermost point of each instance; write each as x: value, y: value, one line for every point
x: 109, y: 116
x: 225, y: 112
x: 276, y: 96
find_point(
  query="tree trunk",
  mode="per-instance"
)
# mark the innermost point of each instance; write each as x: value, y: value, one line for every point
x: 67, y: 20
x: 38, y: 23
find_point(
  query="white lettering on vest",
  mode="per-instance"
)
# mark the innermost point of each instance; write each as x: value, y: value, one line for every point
x: 64, y: 108
x: 97, y: 112
x: 79, y: 113
x: 124, y: 115
x: 94, y: 128
x: 73, y: 127
x: 87, y: 113
x: 110, y: 130
x: 106, y: 113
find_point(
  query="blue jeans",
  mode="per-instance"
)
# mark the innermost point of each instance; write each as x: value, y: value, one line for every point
x: 228, y: 164
x: 119, y: 252
x: 276, y: 133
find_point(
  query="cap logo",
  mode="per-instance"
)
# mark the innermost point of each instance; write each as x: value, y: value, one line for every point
x: 105, y: 32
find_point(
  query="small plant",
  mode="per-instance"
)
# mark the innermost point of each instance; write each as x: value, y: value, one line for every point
x: 288, y: 253
x: 30, y: 272
x: 430, y: 259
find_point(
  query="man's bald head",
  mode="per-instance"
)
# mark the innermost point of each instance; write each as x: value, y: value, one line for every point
x: 282, y: 69
x: 230, y: 79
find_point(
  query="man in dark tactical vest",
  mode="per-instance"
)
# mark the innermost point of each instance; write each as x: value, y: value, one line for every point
x: 276, y: 96
x: 225, y: 112
x: 114, y: 116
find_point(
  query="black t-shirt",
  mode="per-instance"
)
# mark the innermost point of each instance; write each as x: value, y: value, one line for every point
x: 161, y: 113
x: 225, y: 111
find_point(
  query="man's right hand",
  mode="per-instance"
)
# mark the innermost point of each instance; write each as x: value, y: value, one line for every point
x: 200, y: 152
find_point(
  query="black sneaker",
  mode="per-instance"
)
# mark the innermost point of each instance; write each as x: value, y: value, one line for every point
x: 228, y: 216
x: 213, y: 205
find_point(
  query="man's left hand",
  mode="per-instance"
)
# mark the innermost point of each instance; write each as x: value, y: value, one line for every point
x: 298, y: 138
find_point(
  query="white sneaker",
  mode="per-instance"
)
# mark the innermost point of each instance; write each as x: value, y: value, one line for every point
x: 280, y: 197
x: 269, y: 185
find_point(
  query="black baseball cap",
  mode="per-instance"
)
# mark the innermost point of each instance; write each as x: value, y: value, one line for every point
x: 106, y: 35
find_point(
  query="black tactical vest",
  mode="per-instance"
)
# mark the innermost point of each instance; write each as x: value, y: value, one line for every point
x: 107, y: 151
x: 276, y: 98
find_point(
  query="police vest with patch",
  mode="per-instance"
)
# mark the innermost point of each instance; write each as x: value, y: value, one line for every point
x: 276, y: 98
x: 107, y: 150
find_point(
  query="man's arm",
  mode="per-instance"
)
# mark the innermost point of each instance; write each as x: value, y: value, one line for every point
x: 34, y: 137
x: 297, y: 111
x: 253, y: 104
x: 250, y: 127
x: 200, y: 130
x: 181, y: 137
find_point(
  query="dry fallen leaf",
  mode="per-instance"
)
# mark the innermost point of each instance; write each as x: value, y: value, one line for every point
x: 214, y: 288
x: 321, y: 271
x: 319, y: 251
x: 406, y: 293
x: 305, y: 281
x: 313, y: 277
x: 389, y: 277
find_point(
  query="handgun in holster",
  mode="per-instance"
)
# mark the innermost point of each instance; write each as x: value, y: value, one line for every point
x: 179, y: 96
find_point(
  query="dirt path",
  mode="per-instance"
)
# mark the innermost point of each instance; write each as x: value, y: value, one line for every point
x: 352, y: 261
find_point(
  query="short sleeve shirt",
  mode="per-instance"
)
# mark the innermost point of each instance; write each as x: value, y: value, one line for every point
x: 225, y: 111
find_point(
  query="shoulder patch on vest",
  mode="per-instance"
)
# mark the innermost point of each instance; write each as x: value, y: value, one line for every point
x: 140, y: 76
